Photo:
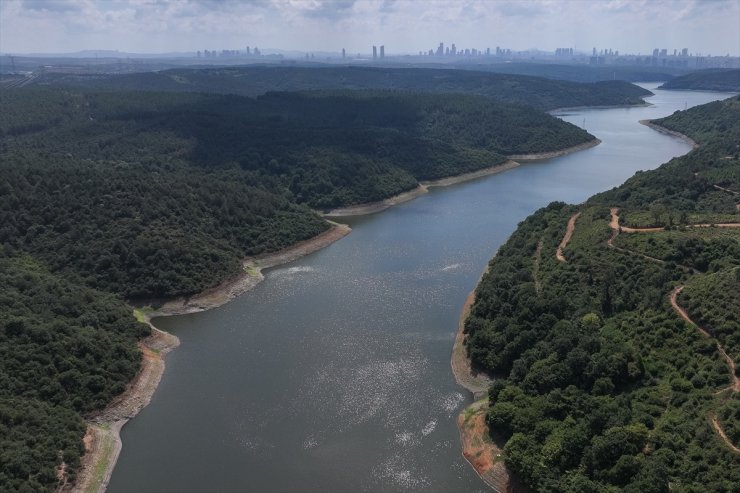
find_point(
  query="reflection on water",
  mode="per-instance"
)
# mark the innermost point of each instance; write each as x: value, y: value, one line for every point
x: 334, y: 373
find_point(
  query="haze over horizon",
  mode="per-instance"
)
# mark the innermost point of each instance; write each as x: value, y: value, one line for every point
x: 408, y: 26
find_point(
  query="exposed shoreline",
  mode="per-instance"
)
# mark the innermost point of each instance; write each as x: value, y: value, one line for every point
x: 673, y: 133
x: 478, y: 449
x: 102, y: 439
x: 424, y: 186
x: 553, y: 154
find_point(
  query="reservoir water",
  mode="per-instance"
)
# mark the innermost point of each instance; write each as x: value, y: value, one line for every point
x: 334, y: 374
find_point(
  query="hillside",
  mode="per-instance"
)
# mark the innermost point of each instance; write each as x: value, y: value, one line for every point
x: 616, y: 361
x: 707, y: 80
x: 540, y: 93
x: 107, y: 197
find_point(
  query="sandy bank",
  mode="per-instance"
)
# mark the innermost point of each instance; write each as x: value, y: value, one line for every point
x: 381, y: 205
x: 663, y: 130
x: 102, y: 440
x: 373, y: 207
x: 476, y: 382
x: 603, y: 106
x: 482, y: 452
x: 552, y: 154
x: 424, y: 186
x: 250, y: 276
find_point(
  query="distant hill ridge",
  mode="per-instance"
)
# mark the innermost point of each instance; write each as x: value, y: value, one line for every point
x: 707, y: 80
x: 538, y: 92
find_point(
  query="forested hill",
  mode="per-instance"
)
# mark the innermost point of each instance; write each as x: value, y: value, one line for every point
x: 109, y: 196
x: 603, y: 385
x: 540, y: 93
x: 707, y: 80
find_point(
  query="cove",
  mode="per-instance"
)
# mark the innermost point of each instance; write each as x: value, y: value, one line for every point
x: 334, y: 373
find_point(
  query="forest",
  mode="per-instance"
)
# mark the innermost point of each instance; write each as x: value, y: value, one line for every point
x: 538, y: 92
x: 600, y: 383
x: 111, y: 197
x: 707, y: 80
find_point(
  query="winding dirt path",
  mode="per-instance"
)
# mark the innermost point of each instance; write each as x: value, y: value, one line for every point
x: 566, y: 238
x: 714, y: 421
x: 616, y: 229
x: 735, y: 381
x: 684, y: 315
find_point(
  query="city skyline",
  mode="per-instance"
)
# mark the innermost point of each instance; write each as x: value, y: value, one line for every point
x: 403, y: 27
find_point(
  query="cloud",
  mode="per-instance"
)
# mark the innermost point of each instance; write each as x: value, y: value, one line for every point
x: 53, y: 5
x: 402, y: 25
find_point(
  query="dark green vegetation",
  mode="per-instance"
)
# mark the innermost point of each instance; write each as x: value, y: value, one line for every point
x: 65, y: 350
x: 540, y: 93
x: 707, y: 80
x: 157, y: 195
x: 602, y: 386
x: 581, y: 73
x: 108, y: 196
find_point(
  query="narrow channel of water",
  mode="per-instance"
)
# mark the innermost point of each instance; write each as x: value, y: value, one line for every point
x: 334, y: 373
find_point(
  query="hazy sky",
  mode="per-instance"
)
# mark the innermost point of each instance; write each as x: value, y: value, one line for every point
x: 403, y: 26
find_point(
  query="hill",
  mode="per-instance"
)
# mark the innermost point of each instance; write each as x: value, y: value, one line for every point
x: 616, y: 359
x: 707, y: 80
x: 540, y: 93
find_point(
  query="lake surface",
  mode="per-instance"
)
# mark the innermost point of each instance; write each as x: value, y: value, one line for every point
x: 334, y: 373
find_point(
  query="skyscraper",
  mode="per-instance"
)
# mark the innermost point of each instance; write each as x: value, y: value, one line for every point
x: 375, y: 52
x: 382, y: 51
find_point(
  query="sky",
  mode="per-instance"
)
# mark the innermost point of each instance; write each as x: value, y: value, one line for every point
x: 403, y: 26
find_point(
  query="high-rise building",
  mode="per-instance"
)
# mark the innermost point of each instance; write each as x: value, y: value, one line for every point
x: 382, y: 51
x: 375, y: 52
x: 453, y: 50
x: 441, y: 49
x: 685, y: 52
x: 343, y: 54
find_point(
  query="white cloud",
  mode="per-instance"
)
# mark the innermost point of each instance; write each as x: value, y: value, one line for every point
x: 402, y: 25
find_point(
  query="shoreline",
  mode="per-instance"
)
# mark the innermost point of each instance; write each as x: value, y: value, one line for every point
x: 477, y: 446
x: 250, y: 276
x: 673, y: 133
x: 553, y: 154
x: 605, y: 106
x: 102, y: 439
x: 424, y: 186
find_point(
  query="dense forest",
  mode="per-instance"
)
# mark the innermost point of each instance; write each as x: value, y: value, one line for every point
x: 707, y: 80
x: 578, y: 73
x: 538, y: 92
x: 114, y: 196
x: 601, y: 385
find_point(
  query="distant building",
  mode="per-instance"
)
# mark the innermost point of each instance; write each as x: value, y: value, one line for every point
x: 382, y: 51
x: 375, y: 52
x: 343, y: 54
